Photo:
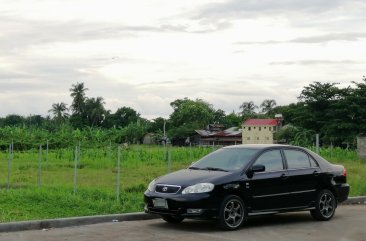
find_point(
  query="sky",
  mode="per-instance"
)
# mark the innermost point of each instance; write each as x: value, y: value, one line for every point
x: 146, y: 53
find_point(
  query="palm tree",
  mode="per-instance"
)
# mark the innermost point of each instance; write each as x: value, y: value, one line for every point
x: 59, y: 111
x: 78, y: 95
x: 95, y: 111
x: 268, y: 105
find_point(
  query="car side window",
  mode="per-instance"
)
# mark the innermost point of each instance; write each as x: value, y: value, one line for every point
x: 272, y: 160
x: 297, y: 159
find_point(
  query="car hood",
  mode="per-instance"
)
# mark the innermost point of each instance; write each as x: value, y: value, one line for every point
x: 187, y: 177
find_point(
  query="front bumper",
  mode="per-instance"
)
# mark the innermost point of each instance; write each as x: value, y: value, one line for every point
x: 206, y: 204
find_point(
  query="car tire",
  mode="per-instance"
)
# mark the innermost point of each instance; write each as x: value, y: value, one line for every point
x: 172, y: 219
x: 232, y: 213
x: 325, y: 206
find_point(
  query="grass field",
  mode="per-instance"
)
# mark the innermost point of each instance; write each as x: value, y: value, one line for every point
x: 52, y: 195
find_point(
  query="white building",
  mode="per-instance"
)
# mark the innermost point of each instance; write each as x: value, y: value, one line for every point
x: 259, y: 131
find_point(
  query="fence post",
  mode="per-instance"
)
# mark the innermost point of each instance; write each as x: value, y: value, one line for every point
x: 317, y: 143
x: 118, y: 172
x: 39, y: 166
x: 164, y: 152
x: 169, y: 158
x: 75, y: 167
x: 190, y: 152
x: 47, y: 152
x: 9, y: 162
x: 331, y: 149
x: 110, y: 152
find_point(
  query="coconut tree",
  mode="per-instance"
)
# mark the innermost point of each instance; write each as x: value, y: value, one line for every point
x: 59, y: 111
x: 78, y: 95
x: 95, y: 111
x: 268, y: 105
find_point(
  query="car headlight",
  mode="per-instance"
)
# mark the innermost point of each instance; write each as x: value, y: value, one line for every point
x: 199, y: 188
x: 151, y: 186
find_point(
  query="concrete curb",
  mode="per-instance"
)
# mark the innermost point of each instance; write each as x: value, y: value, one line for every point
x: 355, y: 200
x: 74, y: 221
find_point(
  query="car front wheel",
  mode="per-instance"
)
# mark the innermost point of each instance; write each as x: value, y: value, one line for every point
x: 325, y: 206
x: 232, y: 213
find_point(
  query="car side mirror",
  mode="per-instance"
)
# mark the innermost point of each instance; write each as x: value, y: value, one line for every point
x: 258, y: 168
x: 254, y: 169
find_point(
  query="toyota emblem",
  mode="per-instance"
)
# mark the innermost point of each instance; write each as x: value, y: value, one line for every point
x: 165, y: 189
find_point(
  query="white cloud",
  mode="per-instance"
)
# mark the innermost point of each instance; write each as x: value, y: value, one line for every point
x: 145, y: 54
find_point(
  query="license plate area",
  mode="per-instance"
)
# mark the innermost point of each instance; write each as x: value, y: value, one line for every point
x: 160, y: 203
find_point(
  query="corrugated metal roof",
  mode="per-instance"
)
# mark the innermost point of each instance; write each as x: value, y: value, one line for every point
x: 261, y: 122
x: 227, y: 132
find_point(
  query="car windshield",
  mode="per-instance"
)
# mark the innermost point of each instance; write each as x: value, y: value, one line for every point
x: 225, y: 159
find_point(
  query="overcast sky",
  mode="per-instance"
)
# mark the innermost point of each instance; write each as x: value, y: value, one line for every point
x: 147, y: 53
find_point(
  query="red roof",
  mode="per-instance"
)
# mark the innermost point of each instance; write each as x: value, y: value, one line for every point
x: 261, y: 122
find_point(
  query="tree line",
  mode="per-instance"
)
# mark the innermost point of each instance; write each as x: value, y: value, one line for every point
x: 336, y: 113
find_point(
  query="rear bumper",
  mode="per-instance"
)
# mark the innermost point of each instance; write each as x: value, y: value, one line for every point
x: 342, y: 192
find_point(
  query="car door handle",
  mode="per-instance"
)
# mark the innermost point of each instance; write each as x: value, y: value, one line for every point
x: 284, y: 176
x: 316, y: 173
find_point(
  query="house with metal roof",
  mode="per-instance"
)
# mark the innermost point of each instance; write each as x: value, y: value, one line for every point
x: 214, y: 135
x: 259, y: 131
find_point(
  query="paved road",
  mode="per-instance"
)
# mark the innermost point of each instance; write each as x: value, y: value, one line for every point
x: 348, y: 224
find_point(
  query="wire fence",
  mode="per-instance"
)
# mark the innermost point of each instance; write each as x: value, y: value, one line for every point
x: 113, y: 167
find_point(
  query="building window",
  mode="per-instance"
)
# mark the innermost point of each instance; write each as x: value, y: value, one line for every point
x: 248, y: 138
x: 269, y: 128
x: 254, y: 127
x: 257, y: 138
x: 244, y: 128
x: 249, y: 128
x: 265, y: 127
x: 259, y: 128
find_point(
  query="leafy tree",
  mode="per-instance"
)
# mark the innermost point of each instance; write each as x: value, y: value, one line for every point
x: 248, y: 109
x: 189, y: 115
x: 191, y: 111
x: 14, y: 120
x: 317, y: 99
x: 125, y: 116
x: 232, y: 120
x: 35, y: 121
x: 157, y: 125
x: 219, y: 117
x: 356, y: 105
x: 133, y: 133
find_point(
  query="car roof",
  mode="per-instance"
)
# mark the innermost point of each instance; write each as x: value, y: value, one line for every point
x: 257, y: 146
x: 321, y: 161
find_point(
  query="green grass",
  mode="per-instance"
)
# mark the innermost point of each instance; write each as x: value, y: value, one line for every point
x: 97, y: 178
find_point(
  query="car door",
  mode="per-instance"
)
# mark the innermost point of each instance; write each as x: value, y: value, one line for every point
x: 268, y: 189
x: 304, y: 176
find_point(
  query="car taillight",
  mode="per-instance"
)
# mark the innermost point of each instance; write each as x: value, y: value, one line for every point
x: 344, y: 172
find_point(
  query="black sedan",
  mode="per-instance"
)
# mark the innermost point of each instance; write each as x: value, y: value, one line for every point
x: 236, y: 182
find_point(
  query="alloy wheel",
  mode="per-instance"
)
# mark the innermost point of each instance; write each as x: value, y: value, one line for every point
x: 233, y: 213
x: 326, y: 205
